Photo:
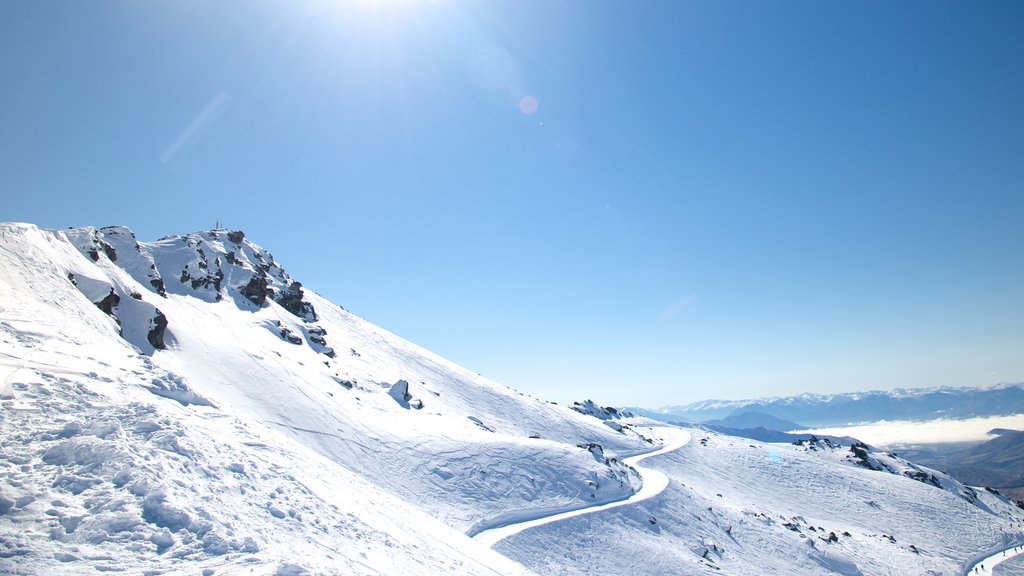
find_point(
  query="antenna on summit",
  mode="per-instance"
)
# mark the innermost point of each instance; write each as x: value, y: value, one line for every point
x: 218, y: 225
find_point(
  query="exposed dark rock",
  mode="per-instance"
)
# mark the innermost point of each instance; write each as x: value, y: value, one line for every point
x: 109, y: 302
x: 317, y: 333
x: 109, y: 251
x: 94, y: 254
x: 316, y: 336
x: 604, y: 413
x: 136, y: 295
x: 158, y: 327
x: 236, y: 236
x: 813, y: 443
x: 861, y: 457
x: 71, y: 277
x: 922, y: 476
x: 969, y: 495
x: 290, y: 337
x: 291, y: 300
x: 595, y: 449
x: 256, y: 290
x: 158, y: 285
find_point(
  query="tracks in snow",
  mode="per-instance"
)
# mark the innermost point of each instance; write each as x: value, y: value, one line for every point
x: 654, y: 483
x: 986, y: 566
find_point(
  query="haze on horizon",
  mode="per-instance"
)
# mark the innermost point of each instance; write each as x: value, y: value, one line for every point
x: 643, y: 205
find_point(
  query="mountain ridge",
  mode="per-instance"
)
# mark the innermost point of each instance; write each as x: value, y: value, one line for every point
x: 821, y: 410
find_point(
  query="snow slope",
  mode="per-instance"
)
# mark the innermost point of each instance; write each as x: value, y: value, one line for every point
x: 98, y: 473
x: 186, y: 406
x: 736, y: 506
x: 654, y: 483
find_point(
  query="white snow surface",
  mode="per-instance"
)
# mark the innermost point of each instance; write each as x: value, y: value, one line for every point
x: 735, y: 506
x: 654, y: 483
x: 269, y: 431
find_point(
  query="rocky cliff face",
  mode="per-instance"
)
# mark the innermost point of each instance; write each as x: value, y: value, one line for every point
x: 213, y: 266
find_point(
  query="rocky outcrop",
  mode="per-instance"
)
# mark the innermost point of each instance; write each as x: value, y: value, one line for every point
x: 257, y: 289
x: 319, y: 342
x: 109, y: 303
x: 400, y: 392
x: 158, y: 327
x: 291, y: 300
x: 590, y: 408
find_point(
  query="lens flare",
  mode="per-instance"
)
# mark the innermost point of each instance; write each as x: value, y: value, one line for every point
x: 528, y: 104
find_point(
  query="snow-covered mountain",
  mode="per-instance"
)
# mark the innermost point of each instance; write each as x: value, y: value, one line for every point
x: 821, y: 410
x: 186, y: 406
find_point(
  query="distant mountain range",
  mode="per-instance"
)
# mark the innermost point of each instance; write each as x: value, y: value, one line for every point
x: 818, y: 410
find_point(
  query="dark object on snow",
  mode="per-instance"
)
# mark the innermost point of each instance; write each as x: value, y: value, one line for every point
x: 236, y: 236
x: 291, y: 300
x: 158, y: 326
x: 158, y: 285
x: 922, y: 476
x: 400, y: 392
x: 860, y: 453
x: 316, y: 335
x: 256, y: 291
x: 109, y: 302
x: 288, y: 336
x: 109, y: 251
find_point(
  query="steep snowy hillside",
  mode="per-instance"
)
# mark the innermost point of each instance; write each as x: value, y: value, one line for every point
x: 186, y: 406
x: 140, y: 377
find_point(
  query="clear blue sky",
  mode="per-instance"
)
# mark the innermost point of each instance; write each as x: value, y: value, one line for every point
x: 637, y: 202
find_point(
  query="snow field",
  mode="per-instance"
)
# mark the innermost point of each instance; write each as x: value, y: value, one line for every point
x: 278, y: 434
x: 743, y: 507
x: 226, y: 479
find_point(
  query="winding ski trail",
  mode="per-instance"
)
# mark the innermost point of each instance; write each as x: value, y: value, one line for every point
x: 654, y: 483
x: 986, y: 566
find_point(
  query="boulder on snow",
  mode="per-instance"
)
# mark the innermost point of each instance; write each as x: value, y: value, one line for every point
x: 291, y: 300
x: 109, y: 302
x: 257, y: 290
x: 158, y: 327
x: 400, y: 392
